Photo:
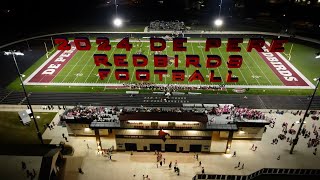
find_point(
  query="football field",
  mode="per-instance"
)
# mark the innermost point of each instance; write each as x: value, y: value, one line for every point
x: 258, y: 70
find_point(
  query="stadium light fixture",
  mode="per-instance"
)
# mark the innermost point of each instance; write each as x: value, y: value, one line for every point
x: 218, y: 22
x: 317, y: 55
x: 117, y: 22
x: 17, y: 53
x: 295, y: 140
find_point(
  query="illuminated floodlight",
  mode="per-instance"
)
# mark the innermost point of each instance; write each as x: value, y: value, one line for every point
x: 218, y: 22
x: 317, y: 56
x: 117, y: 22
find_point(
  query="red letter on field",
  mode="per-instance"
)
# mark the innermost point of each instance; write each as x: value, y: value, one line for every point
x: 178, y: 44
x: 142, y: 63
x: 235, y: 61
x: 122, y: 74
x: 217, y: 61
x: 256, y: 43
x: 104, y: 44
x: 103, y: 73
x: 160, y: 73
x: 82, y: 43
x: 63, y: 44
x: 214, y: 79
x: 230, y: 78
x: 277, y: 45
x: 212, y: 43
x: 142, y: 75
x: 119, y: 60
x: 178, y: 75
x: 196, y: 76
x: 101, y: 59
x: 193, y: 60
x: 160, y: 60
x: 157, y: 40
x: 232, y: 45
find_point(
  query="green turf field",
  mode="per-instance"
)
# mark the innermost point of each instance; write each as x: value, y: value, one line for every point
x: 254, y: 71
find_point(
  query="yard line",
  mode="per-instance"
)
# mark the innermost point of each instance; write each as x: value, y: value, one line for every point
x: 114, y: 66
x: 94, y: 67
x: 185, y: 55
x: 218, y: 67
x: 134, y: 68
x: 74, y: 66
x: 85, y: 64
x: 205, y: 63
x: 257, y: 65
x: 228, y: 68
x: 240, y: 71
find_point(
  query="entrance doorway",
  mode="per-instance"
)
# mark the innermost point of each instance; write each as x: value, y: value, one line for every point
x: 131, y: 146
x: 171, y: 147
x: 195, y: 148
x: 154, y: 147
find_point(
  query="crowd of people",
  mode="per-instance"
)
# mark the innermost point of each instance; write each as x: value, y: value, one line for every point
x: 167, y: 25
x: 238, y: 112
x: 92, y: 113
x: 173, y: 87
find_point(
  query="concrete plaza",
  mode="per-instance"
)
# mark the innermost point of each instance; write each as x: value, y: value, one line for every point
x: 125, y: 166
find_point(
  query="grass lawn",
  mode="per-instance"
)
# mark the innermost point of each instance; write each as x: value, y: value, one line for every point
x: 12, y: 131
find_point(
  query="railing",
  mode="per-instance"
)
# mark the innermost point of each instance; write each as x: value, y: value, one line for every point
x: 264, y: 171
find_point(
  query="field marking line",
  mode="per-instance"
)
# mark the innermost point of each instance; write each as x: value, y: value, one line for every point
x: 241, y: 72
x: 114, y: 66
x: 257, y: 65
x: 185, y: 85
x: 204, y: 59
x: 134, y: 67
x: 294, y: 69
x: 85, y: 65
x: 221, y: 64
x: 41, y: 66
x: 74, y: 66
x: 185, y: 55
x: 240, y: 69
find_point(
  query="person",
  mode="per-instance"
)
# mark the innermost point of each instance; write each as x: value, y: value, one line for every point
x: 242, y: 166
x: 234, y: 154
x: 164, y: 160
x: 199, y: 163
x: 202, y: 170
x: 170, y: 164
x: 252, y: 147
x: 238, y: 165
x: 24, y: 166
x: 278, y: 157
x: 160, y: 163
x: 80, y: 171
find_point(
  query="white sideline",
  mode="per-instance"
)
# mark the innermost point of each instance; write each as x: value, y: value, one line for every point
x: 184, y: 85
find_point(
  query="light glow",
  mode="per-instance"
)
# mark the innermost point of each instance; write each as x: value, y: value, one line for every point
x: 117, y: 22
x: 218, y: 22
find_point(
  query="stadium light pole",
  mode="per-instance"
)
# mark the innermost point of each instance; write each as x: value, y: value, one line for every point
x: 220, y: 5
x: 15, y: 53
x: 115, y: 3
x: 295, y: 141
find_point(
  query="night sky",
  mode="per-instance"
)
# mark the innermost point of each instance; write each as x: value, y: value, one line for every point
x: 22, y: 18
